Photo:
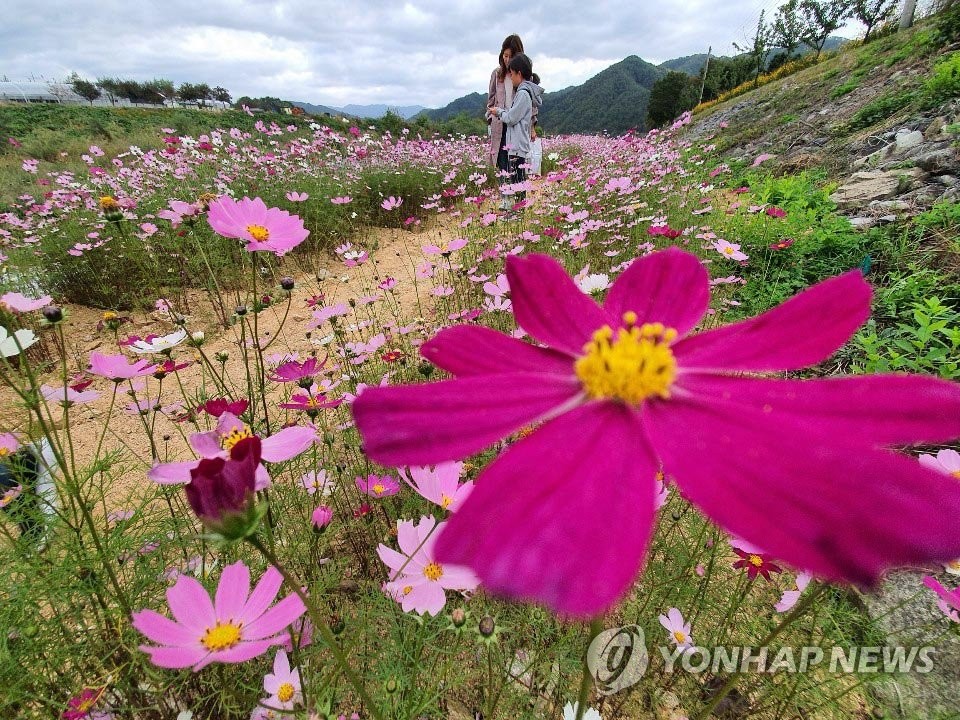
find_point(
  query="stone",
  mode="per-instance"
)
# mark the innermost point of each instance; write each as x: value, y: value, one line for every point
x: 934, y: 128
x: 908, y: 139
x: 889, y: 205
x: 907, y: 613
x: 863, y: 187
x: 862, y: 223
x: 938, y: 161
x: 948, y: 180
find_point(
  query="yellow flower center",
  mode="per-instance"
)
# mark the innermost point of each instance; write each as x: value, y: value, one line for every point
x: 109, y: 315
x: 407, y: 589
x: 4, y: 452
x: 433, y: 571
x: 680, y: 636
x: 221, y: 636
x: 756, y: 560
x: 956, y: 474
x: 728, y: 250
x: 258, y: 232
x: 235, y: 435
x: 445, y: 500
x: 633, y: 365
x: 378, y: 489
x: 108, y: 203
x: 285, y: 692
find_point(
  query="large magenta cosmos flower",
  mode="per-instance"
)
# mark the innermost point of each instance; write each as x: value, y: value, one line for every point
x: 263, y: 228
x: 798, y: 467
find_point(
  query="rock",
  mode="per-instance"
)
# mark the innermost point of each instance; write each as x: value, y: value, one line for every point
x: 934, y: 128
x: 908, y: 139
x: 889, y: 205
x: 950, y: 195
x: 909, y: 617
x: 862, y: 223
x: 938, y: 161
x: 948, y: 180
x: 863, y: 187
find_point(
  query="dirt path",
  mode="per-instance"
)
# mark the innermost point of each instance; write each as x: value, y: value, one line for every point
x: 396, y: 254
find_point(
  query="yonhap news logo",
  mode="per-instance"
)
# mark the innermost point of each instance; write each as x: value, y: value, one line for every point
x: 618, y: 658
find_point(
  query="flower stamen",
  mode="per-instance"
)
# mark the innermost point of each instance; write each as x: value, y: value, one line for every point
x: 221, y: 636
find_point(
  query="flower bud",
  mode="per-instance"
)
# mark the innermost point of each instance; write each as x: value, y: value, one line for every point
x: 240, y: 310
x: 221, y: 492
x: 487, y: 626
x: 458, y: 616
x: 286, y: 283
x: 52, y: 314
x: 321, y: 518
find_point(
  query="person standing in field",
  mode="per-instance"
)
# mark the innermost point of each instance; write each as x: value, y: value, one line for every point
x: 500, y: 94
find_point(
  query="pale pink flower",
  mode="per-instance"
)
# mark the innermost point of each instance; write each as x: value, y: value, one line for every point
x: 679, y: 631
x: 439, y: 484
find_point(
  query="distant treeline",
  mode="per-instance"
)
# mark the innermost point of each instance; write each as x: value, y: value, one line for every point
x: 152, y: 92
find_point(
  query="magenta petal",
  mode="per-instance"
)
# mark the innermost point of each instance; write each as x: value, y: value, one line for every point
x: 288, y: 443
x: 802, y: 331
x: 564, y: 516
x: 877, y: 410
x: 474, y: 350
x: 232, y: 591
x: 670, y: 287
x: 838, y: 510
x: 245, y: 651
x: 263, y: 594
x: 175, y: 657
x: 549, y: 305
x: 452, y: 419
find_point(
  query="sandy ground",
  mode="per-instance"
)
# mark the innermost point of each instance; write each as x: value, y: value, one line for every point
x: 395, y: 255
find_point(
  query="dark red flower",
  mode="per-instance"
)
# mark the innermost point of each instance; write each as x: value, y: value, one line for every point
x: 218, y: 406
x: 756, y: 564
x: 221, y: 490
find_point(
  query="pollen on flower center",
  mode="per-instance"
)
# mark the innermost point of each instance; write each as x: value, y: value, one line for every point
x: 235, y: 435
x: 221, y: 636
x: 756, y: 560
x: 285, y: 692
x: 433, y: 571
x: 378, y: 489
x: 680, y: 636
x: 631, y: 365
x: 258, y: 232
x: 445, y: 500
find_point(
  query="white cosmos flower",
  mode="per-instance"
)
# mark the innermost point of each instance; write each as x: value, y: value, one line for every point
x: 593, y: 283
x: 159, y: 344
x: 11, y: 345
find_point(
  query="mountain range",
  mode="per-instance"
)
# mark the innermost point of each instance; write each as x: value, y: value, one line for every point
x: 615, y: 99
x: 362, y: 111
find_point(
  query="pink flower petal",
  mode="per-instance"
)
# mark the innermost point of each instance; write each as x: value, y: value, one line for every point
x: 172, y: 473
x: 475, y: 350
x: 288, y: 443
x: 876, y: 410
x: 175, y: 657
x: 814, y: 500
x: 548, y: 304
x: 276, y: 619
x: 163, y: 630
x: 232, y: 591
x: 242, y: 651
x: 802, y: 331
x: 263, y: 594
x: 452, y: 419
x: 537, y: 525
x: 191, y: 605
x: 670, y: 286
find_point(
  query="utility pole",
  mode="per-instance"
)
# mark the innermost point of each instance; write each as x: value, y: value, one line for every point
x: 706, y: 68
x: 906, y: 17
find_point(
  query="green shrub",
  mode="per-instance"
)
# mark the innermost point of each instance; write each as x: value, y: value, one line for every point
x: 880, y: 109
x: 847, y: 87
x: 944, y: 83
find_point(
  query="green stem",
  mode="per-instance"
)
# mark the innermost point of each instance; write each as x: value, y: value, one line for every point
x: 596, y: 625
x: 321, y: 625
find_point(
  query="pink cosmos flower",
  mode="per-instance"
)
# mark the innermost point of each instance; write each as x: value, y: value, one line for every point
x: 117, y: 368
x: 83, y: 705
x: 756, y: 563
x: 155, y: 344
x: 624, y: 389
x: 945, y: 461
x: 729, y: 250
x: 344, y: 200
x: 762, y: 158
x: 317, y: 481
x: 293, y: 371
x: 21, y: 303
x: 790, y: 597
x: 775, y: 212
x: 378, y: 486
x: 440, y: 484
x: 445, y: 248
x: 321, y: 517
x: 263, y: 228
x: 417, y: 579
x: 391, y: 202
x: 297, y: 196
x: 237, y: 626
x: 283, y: 685
x: 949, y: 600
x: 679, y: 630
x: 9, y: 444
x: 67, y: 395
x: 311, y: 401
x: 284, y: 445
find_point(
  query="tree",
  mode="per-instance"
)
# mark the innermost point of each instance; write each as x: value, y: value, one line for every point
x: 726, y: 73
x: 220, y: 94
x: 821, y: 19
x: 159, y: 91
x: 670, y: 96
x: 190, y: 92
x: 872, y: 12
x: 110, y: 87
x: 84, y: 88
x: 758, y: 47
x: 788, y: 27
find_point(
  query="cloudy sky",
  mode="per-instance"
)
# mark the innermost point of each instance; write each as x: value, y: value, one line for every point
x: 421, y: 52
